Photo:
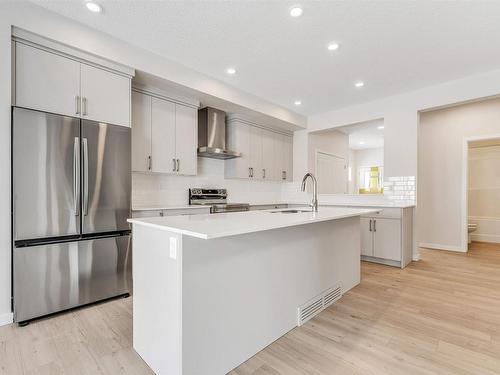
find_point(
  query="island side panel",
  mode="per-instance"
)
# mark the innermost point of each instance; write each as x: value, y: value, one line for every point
x: 241, y: 293
x: 157, y: 314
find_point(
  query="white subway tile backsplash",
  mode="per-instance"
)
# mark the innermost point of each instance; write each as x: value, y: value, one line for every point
x: 166, y: 190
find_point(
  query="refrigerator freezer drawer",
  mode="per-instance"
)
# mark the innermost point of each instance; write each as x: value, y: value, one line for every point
x: 56, y: 277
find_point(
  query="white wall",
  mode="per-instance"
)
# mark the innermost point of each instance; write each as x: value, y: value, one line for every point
x: 440, y: 180
x: 32, y: 18
x: 484, y: 193
x: 332, y: 142
x: 370, y: 157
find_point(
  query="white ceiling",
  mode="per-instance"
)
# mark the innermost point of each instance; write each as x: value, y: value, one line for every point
x: 393, y: 46
x: 365, y: 135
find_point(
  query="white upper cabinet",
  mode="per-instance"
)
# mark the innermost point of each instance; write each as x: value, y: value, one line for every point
x: 50, y: 82
x: 265, y: 154
x: 105, y: 96
x: 238, y: 139
x: 186, y: 139
x: 164, y: 136
x: 46, y: 81
x: 269, y: 156
x: 141, y: 132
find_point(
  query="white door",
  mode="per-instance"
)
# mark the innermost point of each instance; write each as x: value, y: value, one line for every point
x: 46, y: 81
x: 105, y: 96
x: 387, y: 239
x: 186, y: 139
x: 366, y: 237
x: 141, y: 132
x: 288, y: 154
x: 331, y: 173
x: 238, y: 139
x: 163, y: 136
x: 256, y: 152
x: 268, y: 155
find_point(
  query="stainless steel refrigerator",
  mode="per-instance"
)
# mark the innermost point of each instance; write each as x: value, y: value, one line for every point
x: 71, y: 182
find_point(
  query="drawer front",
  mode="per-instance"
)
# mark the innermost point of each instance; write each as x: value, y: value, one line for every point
x: 146, y: 213
x: 388, y: 213
x: 191, y: 211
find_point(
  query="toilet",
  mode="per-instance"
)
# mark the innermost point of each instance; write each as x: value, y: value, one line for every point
x: 472, y: 227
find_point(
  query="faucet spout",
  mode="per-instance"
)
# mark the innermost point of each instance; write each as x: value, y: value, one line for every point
x: 314, y: 202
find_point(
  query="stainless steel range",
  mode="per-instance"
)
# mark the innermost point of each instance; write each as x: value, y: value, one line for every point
x: 216, y: 199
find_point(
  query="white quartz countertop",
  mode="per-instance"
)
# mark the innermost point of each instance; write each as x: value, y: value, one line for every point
x: 208, y: 226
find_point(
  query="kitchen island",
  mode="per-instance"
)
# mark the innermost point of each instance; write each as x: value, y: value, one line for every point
x: 210, y: 291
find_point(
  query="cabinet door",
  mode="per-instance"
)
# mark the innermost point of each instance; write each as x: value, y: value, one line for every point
x: 141, y: 132
x: 105, y: 96
x: 288, y: 156
x: 46, y: 81
x: 268, y: 171
x: 256, y: 152
x: 279, y: 157
x: 186, y: 139
x: 238, y: 139
x: 163, y: 136
x: 387, y: 239
x: 366, y: 237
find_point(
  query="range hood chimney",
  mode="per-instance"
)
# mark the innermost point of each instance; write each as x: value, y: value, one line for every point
x: 212, y: 134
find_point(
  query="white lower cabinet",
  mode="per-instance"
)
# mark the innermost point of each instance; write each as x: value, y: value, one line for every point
x: 170, y: 212
x: 386, y: 236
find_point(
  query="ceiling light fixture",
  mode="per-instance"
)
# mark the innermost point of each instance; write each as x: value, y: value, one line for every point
x: 93, y: 7
x: 381, y: 127
x: 297, y: 102
x: 362, y: 142
x: 359, y: 84
x: 231, y: 71
x: 296, y: 11
x: 333, y: 46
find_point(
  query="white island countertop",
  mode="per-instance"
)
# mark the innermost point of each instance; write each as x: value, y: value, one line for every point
x: 208, y: 226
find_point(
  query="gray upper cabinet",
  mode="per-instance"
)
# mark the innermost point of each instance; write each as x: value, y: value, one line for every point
x: 265, y: 154
x: 105, y: 96
x: 46, y: 81
x: 50, y: 82
x: 164, y: 136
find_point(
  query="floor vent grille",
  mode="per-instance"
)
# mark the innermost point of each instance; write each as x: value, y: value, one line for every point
x: 318, y: 304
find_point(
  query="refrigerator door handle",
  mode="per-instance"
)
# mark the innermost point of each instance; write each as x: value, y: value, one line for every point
x: 85, y: 177
x: 76, y: 175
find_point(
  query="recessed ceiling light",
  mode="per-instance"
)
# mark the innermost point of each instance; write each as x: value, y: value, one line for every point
x: 381, y: 127
x: 333, y: 46
x: 297, y: 102
x: 231, y: 71
x: 93, y: 7
x: 296, y: 11
x: 359, y: 84
x: 362, y: 142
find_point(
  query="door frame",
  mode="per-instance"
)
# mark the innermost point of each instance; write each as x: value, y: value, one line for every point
x: 465, y: 185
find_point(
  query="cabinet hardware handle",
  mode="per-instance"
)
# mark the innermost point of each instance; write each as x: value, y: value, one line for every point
x: 174, y: 167
x: 84, y: 106
x: 252, y: 172
x: 149, y: 162
x: 77, y: 104
x: 370, y: 225
x: 249, y: 172
x: 178, y: 164
x: 283, y: 175
x: 263, y: 172
x: 374, y: 225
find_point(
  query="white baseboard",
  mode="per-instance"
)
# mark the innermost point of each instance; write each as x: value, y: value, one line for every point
x: 481, y: 237
x: 6, y: 318
x: 416, y: 258
x: 437, y: 246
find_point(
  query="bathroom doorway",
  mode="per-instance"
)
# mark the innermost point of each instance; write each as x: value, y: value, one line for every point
x: 482, y: 189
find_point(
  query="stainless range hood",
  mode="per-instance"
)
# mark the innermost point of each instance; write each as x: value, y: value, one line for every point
x: 212, y: 134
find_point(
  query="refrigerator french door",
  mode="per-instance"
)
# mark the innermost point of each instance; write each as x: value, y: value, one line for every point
x: 70, y: 199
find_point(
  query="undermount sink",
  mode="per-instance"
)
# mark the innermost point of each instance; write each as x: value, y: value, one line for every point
x: 289, y: 211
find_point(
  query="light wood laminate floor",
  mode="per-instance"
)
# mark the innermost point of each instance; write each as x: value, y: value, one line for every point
x: 438, y: 316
